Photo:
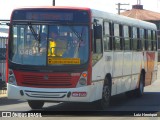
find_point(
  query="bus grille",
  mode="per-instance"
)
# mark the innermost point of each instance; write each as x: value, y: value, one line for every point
x: 47, y: 81
x: 42, y: 80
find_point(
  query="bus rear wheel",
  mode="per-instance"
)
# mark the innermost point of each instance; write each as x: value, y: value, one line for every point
x: 35, y: 104
x: 139, y: 91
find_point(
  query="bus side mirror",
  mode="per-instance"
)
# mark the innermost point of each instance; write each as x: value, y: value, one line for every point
x: 98, y: 32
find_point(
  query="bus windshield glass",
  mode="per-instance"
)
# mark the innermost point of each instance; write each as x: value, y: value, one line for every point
x: 49, y: 44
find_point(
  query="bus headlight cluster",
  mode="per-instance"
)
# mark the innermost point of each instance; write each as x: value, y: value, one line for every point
x: 83, y: 80
x: 11, y: 79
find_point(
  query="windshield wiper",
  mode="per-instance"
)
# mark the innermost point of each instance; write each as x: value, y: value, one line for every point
x: 37, y: 37
x: 76, y: 33
x: 79, y: 36
x: 33, y: 31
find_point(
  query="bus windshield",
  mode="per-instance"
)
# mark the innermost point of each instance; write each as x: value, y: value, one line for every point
x: 43, y: 44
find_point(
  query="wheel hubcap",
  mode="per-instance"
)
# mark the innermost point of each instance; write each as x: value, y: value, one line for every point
x: 141, y: 86
x: 106, y: 94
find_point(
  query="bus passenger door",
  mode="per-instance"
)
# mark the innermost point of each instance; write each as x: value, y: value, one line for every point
x: 97, y: 49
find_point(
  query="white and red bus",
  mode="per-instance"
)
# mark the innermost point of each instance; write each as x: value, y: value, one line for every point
x: 79, y: 55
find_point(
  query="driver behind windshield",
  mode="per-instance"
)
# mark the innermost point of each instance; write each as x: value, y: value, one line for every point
x: 52, y: 41
x: 57, y: 44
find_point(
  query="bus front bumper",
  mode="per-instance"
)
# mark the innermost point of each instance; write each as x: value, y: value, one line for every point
x: 81, y: 94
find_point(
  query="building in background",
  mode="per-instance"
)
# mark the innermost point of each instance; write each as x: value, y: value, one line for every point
x: 138, y: 12
x: 3, y: 43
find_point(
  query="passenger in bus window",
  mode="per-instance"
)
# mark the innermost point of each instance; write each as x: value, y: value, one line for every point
x: 40, y: 45
x: 35, y: 45
x: 43, y: 42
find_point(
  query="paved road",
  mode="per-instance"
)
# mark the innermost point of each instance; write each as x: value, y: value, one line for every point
x: 149, y: 102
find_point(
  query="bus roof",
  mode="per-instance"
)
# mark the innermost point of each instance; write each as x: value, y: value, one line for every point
x: 123, y: 20
x: 54, y: 7
x: 110, y: 17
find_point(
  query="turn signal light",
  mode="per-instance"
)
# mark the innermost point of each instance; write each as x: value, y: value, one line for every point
x: 84, y: 74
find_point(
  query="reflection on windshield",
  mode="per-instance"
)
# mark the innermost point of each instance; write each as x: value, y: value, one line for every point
x: 45, y: 44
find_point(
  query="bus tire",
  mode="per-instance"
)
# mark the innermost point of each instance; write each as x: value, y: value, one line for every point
x: 130, y: 94
x: 140, y: 90
x: 35, y: 104
x: 106, y: 95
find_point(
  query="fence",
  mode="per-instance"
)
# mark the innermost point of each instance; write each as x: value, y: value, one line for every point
x: 3, y: 42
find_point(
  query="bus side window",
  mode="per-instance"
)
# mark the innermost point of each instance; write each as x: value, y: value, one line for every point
x: 142, y: 37
x: 146, y: 39
x: 131, y: 38
x: 116, y: 38
x: 154, y: 44
x: 158, y: 39
x: 126, y: 38
x: 134, y: 32
x: 138, y: 40
x: 154, y: 41
x: 149, y: 40
x: 97, y: 43
x: 107, y: 36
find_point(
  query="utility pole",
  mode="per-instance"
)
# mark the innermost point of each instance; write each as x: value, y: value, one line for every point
x: 54, y: 2
x: 138, y: 2
x: 119, y: 7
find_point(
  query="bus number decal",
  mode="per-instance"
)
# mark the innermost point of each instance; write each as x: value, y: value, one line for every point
x: 108, y: 58
x: 25, y: 52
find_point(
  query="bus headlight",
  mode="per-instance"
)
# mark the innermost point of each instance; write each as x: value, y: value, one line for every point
x: 82, y: 80
x: 12, y: 79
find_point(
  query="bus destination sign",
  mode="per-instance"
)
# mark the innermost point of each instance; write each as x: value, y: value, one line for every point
x: 64, y: 16
x: 53, y: 60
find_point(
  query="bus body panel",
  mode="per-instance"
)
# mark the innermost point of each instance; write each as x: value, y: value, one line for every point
x: 98, y: 70
x: 82, y: 94
x: 127, y: 63
x: 151, y: 63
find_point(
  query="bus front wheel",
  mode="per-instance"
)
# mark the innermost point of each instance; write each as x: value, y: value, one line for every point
x: 35, y: 104
x: 106, y: 95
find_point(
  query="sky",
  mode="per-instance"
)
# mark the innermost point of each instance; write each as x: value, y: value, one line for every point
x: 6, y: 6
